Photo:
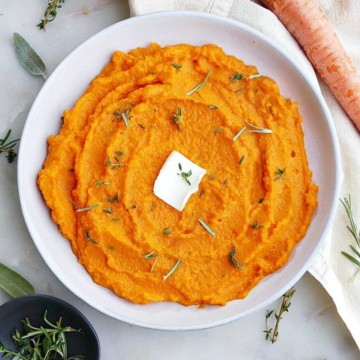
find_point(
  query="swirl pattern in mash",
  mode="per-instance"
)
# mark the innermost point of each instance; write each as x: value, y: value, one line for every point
x: 257, y: 195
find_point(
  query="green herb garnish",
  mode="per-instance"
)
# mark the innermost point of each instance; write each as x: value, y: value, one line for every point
x: 214, y: 107
x: 185, y: 175
x: 177, y: 117
x: 102, y: 183
x: 167, y: 231
x: 217, y: 131
x: 200, y: 86
x: 256, y: 226
x: 120, y: 153
x: 114, y: 199
x: 13, y: 283
x: 260, y: 201
x: 253, y: 129
x: 176, y: 66
x: 50, y: 13
x: 354, y: 231
x: 40, y: 343
x: 241, y: 159
x: 236, y: 77
x: 115, y: 219
x: 207, y: 228
x: 87, y: 208
x: 88, y: 236
x: 154, y: 263
x: 124, y: 115
x: 149, y: 255
x: 254, y: 76
x: 7, y: 147
x: 174, y: 268
x: 239, y: 90
x: 108, y: 211
x: 234, y: 261
x: 280, y: 174
x: 27, y: 57
x: 270, y: 334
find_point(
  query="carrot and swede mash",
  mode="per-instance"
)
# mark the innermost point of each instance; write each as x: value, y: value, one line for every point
x: 253, y: 206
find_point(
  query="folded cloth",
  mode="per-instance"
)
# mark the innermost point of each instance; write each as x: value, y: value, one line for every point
x: 339, y: 276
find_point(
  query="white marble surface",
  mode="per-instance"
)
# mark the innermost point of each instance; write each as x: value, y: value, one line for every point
x: 312, y: 329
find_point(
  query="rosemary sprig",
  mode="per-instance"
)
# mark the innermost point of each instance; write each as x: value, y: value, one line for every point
x: 7, y: 147
x: 253, y: 129
x: 150, y: 255
x: 124, y: 115
x: 167, y: 231
x: 185, y: 175
x: 173, y: 269
x: 272, y: 334
x: 154, y: 263
x: 234, y: 261
x: 207, y: 228
x: 87, y: 208
x: 280, y: 174
x: 200, y: 86
x: 88, y: 236
x: 44, y: 342
x: 354, y: 231
x: 177, y: 117
x: 254, y: 76
x: 50, y: 13
x: 176, y: 66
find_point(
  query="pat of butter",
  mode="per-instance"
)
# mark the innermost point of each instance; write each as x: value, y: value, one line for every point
x: 173, y: 188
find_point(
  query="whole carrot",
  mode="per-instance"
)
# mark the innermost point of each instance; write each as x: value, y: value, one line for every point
x: 311, y: 28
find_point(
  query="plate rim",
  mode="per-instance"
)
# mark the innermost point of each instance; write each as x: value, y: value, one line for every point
x: 316, y: 93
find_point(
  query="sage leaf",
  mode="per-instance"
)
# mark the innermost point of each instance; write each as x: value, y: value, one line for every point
x: 13, y: 283
x: 27, y: 57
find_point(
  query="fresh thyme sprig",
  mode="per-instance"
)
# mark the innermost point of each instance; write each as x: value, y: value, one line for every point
x: 176, y: 66
x: 177, y: 117
x: 50, y: 13
x: 200, y: 86
x: 87, y: 208
x: 270, y: 333
x: 234, y: 261
x: 7, y: 147
x: 207, y: 228
x: 280, y: 174
x: 185, y: 175
x: 236, y: 77
x: 253, y: 129
x: 167, y: 231
x: 42, y: 343
x: 354, y: 231
x: 88, y: 236
x: 124, y: 115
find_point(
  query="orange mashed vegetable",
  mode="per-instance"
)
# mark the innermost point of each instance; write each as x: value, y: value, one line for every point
x: 250, y: 201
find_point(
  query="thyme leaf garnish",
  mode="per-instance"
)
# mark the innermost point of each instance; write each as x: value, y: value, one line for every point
x: 207, y: 228
x: 234, y: 261
x: 236, y: 77
x: 253, y: 129
x: 241, y: 159
x: 270, y: 334
x: 88, y: 236
x: 256, y: 226
x: 108, y: 211
x: 174, y: 268
x: 114, y: 199
x: 167, y: 231
x: 177, y: 117
x: 115, y: 219
x: 212, y: 176
x: 154, y: 263
x: 217, y: 131
x: 113, y: 165
x: 50, y: 13
x: 176, y: 66
x: 280, y: 174
x: 87, y: 208
x: 7, y: 147
x: 200, y: 86
x: 254, y: 76
x: 214, y: 107
x: 124, y: 115
x: 354, y: 231
x: 102, y: 183
x: 120, y: 153
x: 185, y: 175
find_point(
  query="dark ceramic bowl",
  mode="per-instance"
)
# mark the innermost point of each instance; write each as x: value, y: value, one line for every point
x: 33, y: 307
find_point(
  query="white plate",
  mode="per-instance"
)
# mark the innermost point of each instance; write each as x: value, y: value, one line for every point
x: 71, y: 78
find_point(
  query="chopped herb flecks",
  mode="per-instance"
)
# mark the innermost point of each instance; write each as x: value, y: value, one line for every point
x: 176, y: 66
x: 236, y: 77
x: 87, y: 235
x: 253, y: 129
x: 214, y: 107
x: 167, y: 231
x: 174, y: 268
x: 207, y: 228
x: 87, y: 208
x: 234, y: 261
x: 177, y: 118
x: 241, y: 159
x: 149, y: 255
x: 200, y: 86
x: 256, y: 225
x: 280, y: 174
x: 185, y: 175
x: 101, y: 183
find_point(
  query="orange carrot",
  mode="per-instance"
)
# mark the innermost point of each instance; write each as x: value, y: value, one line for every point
x: 311, y: 28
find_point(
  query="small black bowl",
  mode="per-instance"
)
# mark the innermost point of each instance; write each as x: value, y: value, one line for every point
x: 33, y: 307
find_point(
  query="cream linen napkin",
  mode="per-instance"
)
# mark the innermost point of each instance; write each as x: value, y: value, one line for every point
x: 339, y: 276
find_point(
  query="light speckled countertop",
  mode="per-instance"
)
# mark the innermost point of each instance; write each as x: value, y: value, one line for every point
x: 312, y: 329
